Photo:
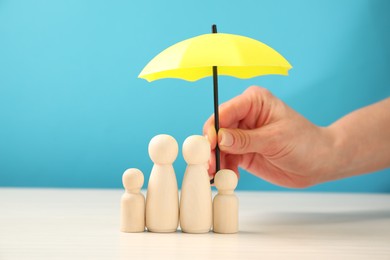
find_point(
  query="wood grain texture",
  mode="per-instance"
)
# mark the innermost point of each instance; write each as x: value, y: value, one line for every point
x: 84, y: 224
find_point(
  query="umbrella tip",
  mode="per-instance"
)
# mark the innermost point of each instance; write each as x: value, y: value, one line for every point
x: 214, y: 28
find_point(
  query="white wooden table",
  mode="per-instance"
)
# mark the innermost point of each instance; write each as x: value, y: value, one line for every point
x: 83, y: 224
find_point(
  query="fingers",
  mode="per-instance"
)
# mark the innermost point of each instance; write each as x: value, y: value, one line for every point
x: 231, y: 112
x: 239, y: 141
x: 211, y: 136
x: 241, y: 111
x: 232, y: 162
x: 211, y: 169
x: 228, y: 161
x: 235, y: 110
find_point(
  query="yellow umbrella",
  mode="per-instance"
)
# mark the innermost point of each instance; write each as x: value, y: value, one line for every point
x: 213, y: 54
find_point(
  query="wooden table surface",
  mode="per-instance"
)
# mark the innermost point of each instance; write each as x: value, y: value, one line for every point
x: 84, y: 224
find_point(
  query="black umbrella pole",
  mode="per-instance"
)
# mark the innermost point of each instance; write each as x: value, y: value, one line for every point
x: 216, y: 120
x: 216, y: 112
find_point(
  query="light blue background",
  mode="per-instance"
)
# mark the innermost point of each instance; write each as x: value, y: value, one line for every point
x: 74, y: 114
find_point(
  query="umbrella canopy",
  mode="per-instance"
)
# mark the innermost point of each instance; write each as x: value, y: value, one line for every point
x: 235, y: 55
x: 213, y: 54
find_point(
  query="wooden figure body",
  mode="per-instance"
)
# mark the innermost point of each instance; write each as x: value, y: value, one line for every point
x: 225, y: 204
x: 196, y: 199
x: 133, y: 202
x: 162, y: 199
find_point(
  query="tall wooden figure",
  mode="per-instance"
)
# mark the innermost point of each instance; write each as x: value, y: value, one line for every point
x: 133, y: 202
x: 196, y: 200
x: 225, y: 204
x: 162, y: 199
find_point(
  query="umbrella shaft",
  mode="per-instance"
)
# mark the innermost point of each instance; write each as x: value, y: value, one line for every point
x: 216, y: 116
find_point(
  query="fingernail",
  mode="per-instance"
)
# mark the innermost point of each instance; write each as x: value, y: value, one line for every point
x: 226, y: 139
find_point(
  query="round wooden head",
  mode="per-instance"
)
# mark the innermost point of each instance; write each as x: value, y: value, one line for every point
x: 132, y: 179
x: 196, y: 150
x: 163, y: 149
x: 225, y: 180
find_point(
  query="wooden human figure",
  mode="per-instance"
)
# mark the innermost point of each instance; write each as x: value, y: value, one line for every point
x: 162, y: 199
x: 133, y: 202
x: 196, y: 199
x: 225, y: 204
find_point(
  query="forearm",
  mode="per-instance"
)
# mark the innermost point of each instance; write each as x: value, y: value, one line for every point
x: 361, y: 141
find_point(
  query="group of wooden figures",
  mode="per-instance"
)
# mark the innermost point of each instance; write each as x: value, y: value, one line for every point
x: 196, y: 210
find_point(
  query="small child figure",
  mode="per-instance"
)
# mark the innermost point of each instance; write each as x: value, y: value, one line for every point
x: 225, y: 204
x: 133, y: 202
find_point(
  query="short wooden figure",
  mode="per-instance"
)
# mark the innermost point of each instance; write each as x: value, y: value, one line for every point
x: 133, y: 202
x: 196, y: 199
x: 162, y: 199
x: 225, y: 204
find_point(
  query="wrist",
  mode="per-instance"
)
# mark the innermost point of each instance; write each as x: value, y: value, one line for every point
x: 337, y: 155
x: 326, y: 163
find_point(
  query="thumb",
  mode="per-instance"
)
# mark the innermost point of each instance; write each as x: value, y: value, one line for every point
x: 239, y: 141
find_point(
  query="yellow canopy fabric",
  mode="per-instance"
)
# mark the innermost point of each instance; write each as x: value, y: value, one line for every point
x: 234, y: 55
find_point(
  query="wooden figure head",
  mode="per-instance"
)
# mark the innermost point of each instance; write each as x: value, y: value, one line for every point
x: 196, y: 150
x: 226, y: 180
x: 163, y: 149
x: 133, y: 179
